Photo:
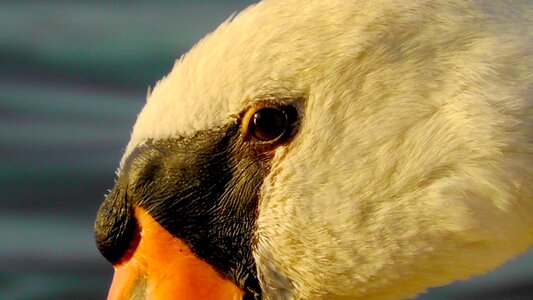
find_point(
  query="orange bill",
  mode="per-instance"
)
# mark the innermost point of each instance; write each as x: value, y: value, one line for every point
x: 162, y: 266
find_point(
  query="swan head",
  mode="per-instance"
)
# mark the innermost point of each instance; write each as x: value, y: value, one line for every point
x: 338, y: 149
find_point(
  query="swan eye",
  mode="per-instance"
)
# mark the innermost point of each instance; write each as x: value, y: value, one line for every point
x: 268, y: 124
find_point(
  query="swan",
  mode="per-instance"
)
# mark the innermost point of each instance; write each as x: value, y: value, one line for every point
x: 335, y: 149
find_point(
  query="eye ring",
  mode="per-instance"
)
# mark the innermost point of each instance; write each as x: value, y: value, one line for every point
x: 269, y: 124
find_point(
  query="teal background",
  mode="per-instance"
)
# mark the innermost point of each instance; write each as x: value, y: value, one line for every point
x: 73, y: 76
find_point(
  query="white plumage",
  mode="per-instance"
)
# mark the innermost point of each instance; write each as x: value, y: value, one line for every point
x: 413, y: 163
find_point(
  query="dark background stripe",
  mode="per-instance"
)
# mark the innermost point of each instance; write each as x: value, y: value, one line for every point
x: 73, y: 76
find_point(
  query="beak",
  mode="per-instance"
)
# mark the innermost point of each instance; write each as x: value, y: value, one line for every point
x: 162, y: 266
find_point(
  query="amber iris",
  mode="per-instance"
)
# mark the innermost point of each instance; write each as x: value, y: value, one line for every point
x: 268, y: 124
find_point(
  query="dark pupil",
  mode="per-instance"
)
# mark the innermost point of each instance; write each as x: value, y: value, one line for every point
x: 268, y: 124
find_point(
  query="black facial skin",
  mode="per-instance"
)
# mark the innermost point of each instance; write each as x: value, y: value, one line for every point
x: 202, y: 189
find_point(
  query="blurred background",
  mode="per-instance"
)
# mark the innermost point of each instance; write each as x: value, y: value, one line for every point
x: 73, y: 76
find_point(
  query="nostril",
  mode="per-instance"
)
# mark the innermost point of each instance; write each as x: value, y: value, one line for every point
x: 116, y: 230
